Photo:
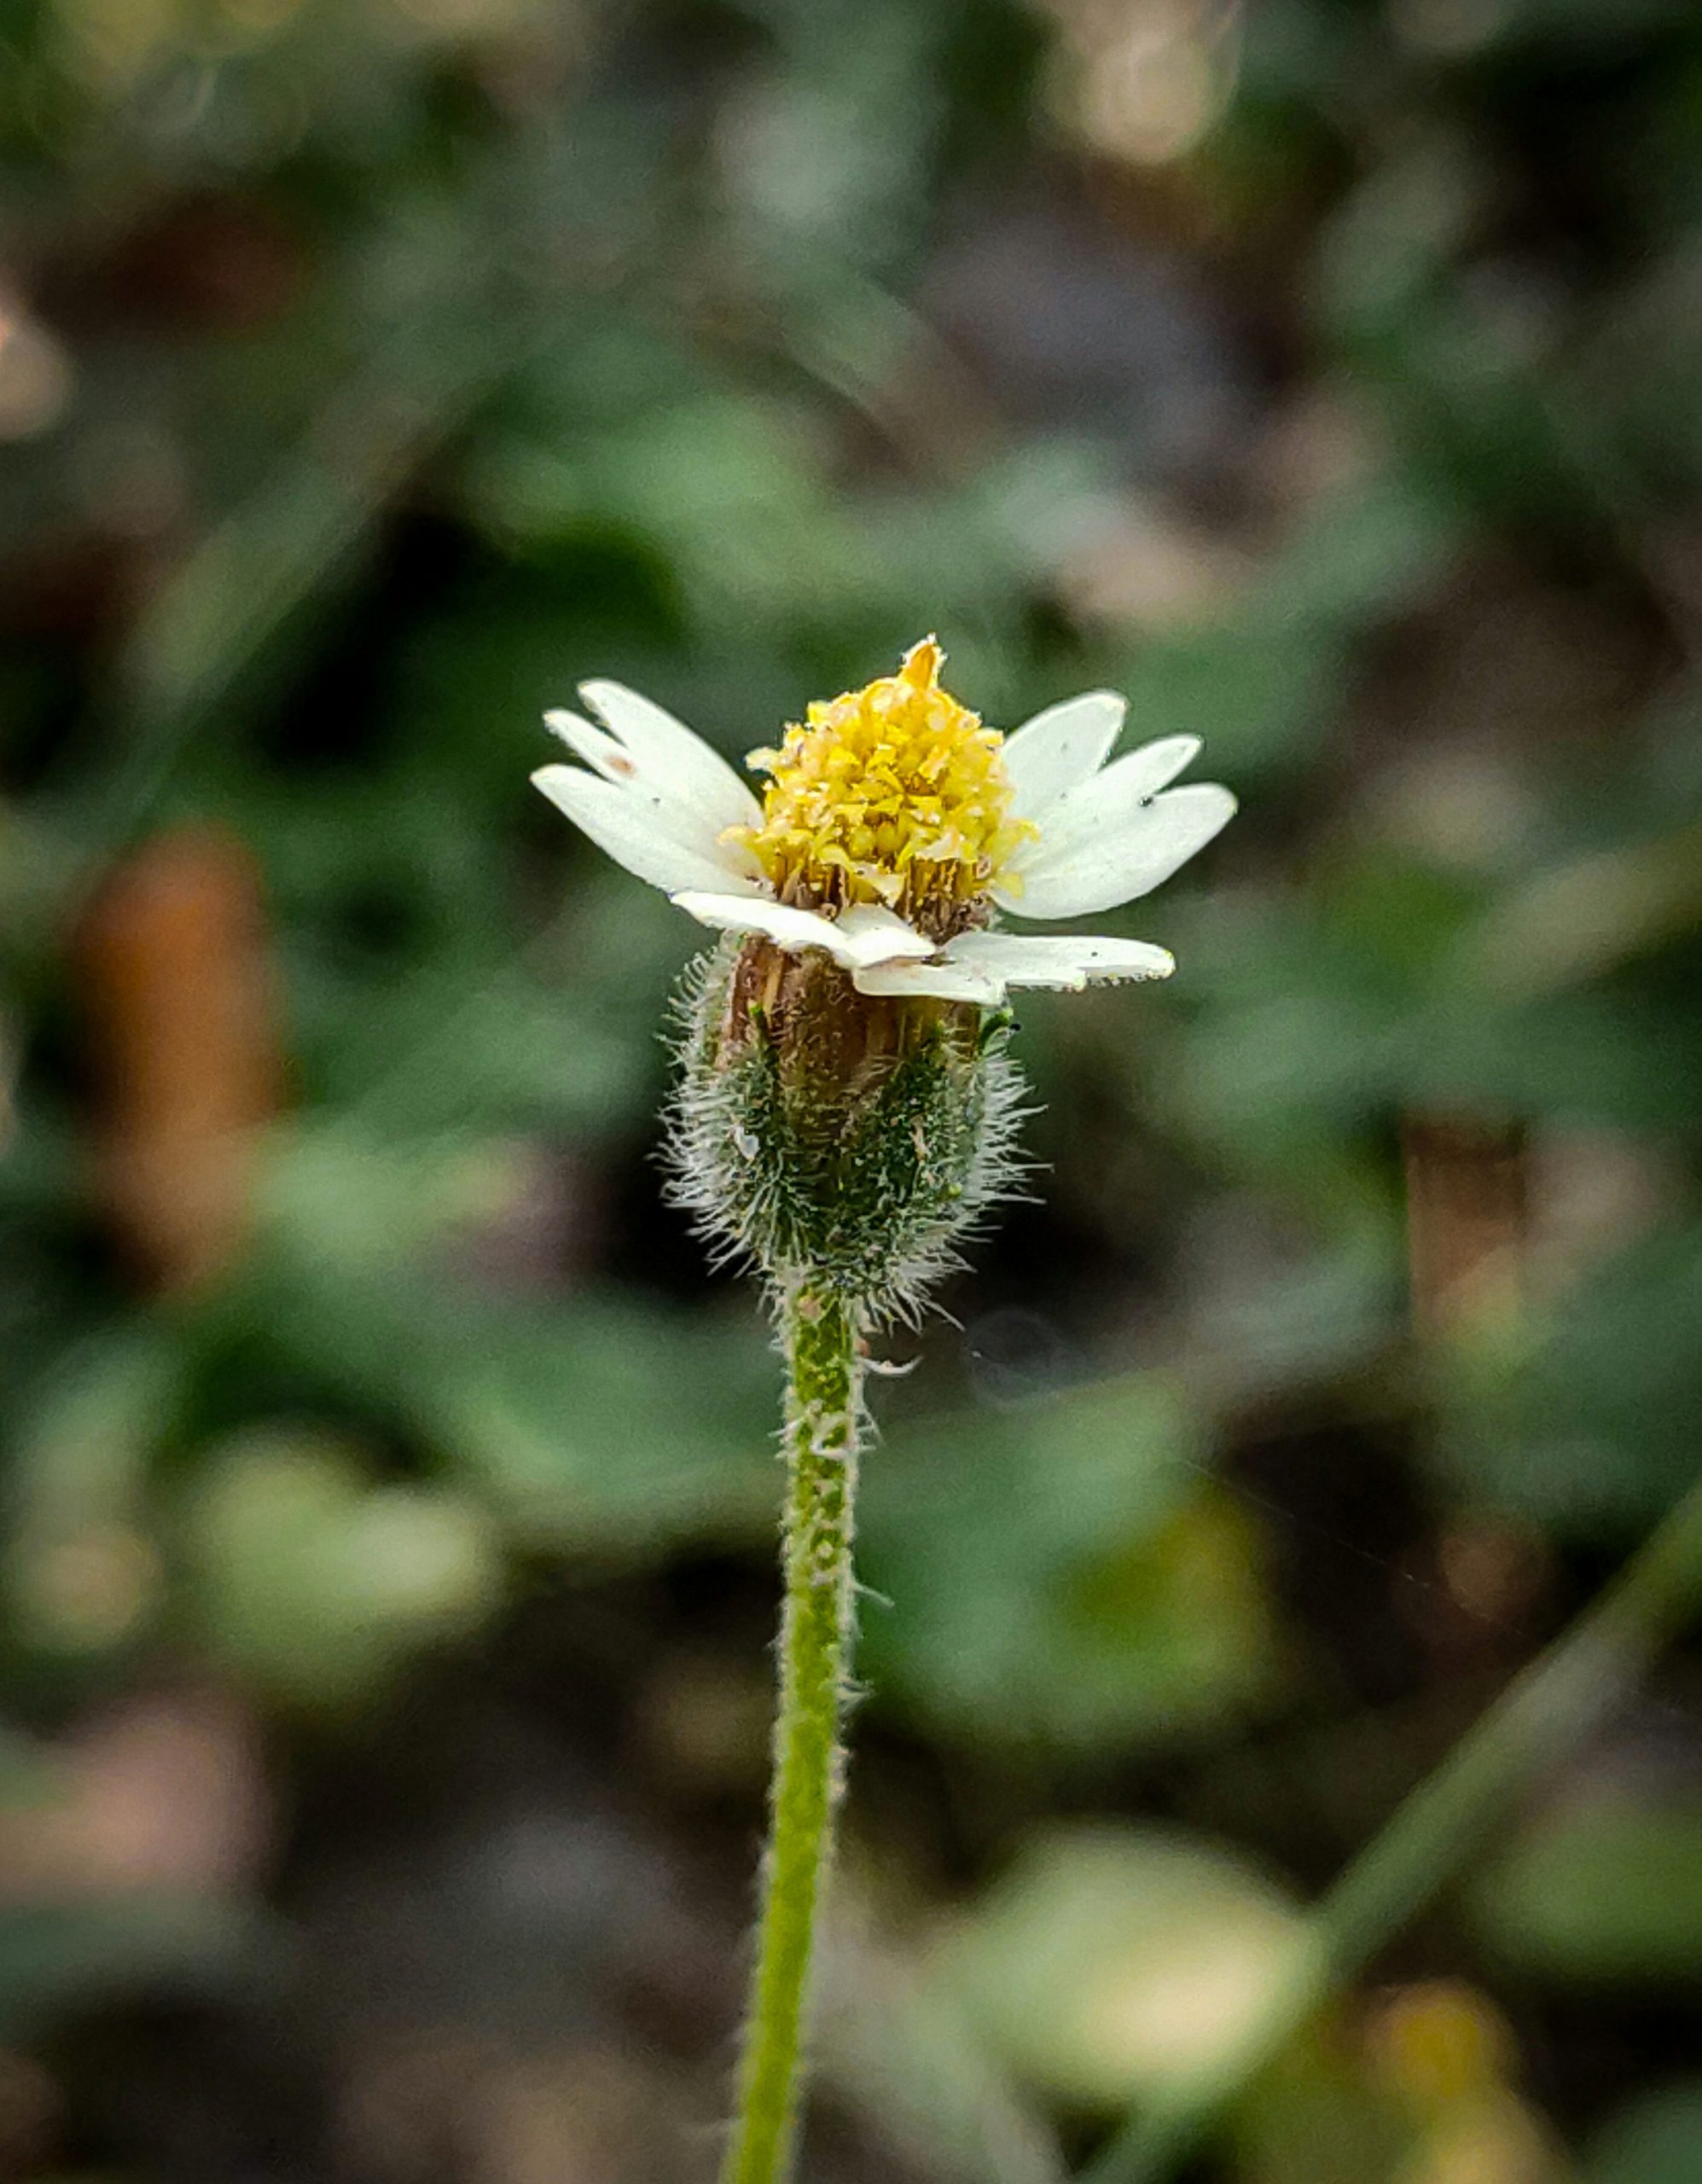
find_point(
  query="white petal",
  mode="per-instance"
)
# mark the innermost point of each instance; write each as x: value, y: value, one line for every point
x: 1110, y: 798
x: 684, y: 818
x: 597, y: 748
x: 1065, y: 744
x: 674, y: 757
x: 863, y: 936
x: 939, y: 981
x: 790, y: 928
x: 662, y: 783
x: 868, y: 933
x: 1096, y: 868
x: 1067, y: 961
x: 655, y: 843
x: 793, y: 928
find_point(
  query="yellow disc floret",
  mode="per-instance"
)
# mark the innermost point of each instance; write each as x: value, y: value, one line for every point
x: 894, y: 794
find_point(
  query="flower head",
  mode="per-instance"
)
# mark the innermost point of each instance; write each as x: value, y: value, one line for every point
x: 894, y: 827
x: 893, y: 794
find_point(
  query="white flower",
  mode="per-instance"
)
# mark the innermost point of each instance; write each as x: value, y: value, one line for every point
x: 894, y: 825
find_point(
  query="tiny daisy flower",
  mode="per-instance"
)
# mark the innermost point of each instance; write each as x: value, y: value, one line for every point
x: 895, y: 827
x: 847, y: 1112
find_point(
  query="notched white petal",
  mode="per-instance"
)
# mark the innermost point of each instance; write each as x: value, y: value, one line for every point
x: 1098, y: 866
x: 696, y: 823
x: 648, y: 842
x: 675, y: 757
x: 863, y: 937
x: 938, y: 981
x: 870, y: 933
x: 1065, y: 744
x: 789, y: 928
x: 1068, y: 962
x: 599, y: 751
x: 1110, y: 799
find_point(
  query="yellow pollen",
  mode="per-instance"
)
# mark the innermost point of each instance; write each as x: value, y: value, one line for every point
x: 894, y: 794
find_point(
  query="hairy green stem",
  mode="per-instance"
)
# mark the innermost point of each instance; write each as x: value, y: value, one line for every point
x: 1549, y: 1711
x: 815, y: 1659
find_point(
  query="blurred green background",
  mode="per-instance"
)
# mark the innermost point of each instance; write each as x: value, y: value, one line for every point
x: 385, y: 1584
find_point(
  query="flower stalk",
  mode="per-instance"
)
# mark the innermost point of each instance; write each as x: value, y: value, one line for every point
x: 823, y: 1397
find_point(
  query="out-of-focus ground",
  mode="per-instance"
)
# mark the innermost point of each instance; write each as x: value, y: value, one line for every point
x: 385, y: 1588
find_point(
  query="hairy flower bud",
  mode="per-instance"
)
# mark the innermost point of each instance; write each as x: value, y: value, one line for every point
x: 818, y: 1130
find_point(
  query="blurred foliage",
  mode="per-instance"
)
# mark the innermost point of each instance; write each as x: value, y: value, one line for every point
x: 1324, y: 374
x: 1104, y: 1963
x: 1659, y: 2141
x: 1601, y: 1894
x: 1130, y: 1601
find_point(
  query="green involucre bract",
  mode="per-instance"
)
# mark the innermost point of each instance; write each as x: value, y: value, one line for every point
x: 816, y: 1132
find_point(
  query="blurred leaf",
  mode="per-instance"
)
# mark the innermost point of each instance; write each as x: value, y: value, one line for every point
x: 897, y: 2043
x: 353, y: 1205
x: 1110, y: 1961
x: 1573, y: 922
x: 225, y: 609
x: 56, y: 1959
x: 1657, y: 2140
x: 600, y: 1428
x: 1420, y: 2084
x: 612, y: 1432
x: 1587, y: 1423
x: 1318, y: 2115
x: 1060, y: 1575
x: 1576, y: 26
x: 82, y: 1572
x: 27, y: 1775
x: 1260, y: 697
x: 1608, y: 1889
x: 1357, y: 554
x: 316, y: 1581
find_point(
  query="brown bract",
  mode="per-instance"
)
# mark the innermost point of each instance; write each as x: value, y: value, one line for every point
x: 825, y: 1032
